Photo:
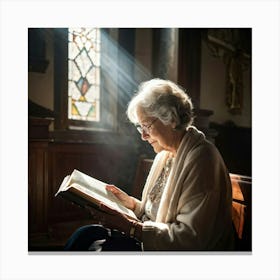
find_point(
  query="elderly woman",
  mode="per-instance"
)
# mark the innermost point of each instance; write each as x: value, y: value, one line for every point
x: 186, y: 201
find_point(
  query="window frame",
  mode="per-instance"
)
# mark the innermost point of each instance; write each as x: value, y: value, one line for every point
x: 108, y: 90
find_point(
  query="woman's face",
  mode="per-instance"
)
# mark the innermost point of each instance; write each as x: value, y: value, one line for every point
x: 160, y: 136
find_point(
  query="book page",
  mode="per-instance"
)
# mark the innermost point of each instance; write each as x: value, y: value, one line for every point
x: 110, y: 200
x: 97, y: 190
x: 64, y: 184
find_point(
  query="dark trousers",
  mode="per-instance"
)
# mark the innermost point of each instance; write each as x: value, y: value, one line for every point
x: 99, y: 238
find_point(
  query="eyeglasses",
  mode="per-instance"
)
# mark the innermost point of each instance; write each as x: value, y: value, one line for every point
x: 145, y: 128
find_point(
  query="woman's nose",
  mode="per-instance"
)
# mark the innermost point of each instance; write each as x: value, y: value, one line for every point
x: 144, y: 135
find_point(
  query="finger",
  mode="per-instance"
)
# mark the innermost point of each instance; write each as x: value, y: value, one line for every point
x: 108, y: 186
x: 112, y: 188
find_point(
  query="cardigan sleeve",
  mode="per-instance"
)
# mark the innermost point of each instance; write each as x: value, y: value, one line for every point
x: 137, y: 210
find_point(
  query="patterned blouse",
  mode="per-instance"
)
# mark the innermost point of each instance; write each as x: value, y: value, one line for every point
x: 155, y: 194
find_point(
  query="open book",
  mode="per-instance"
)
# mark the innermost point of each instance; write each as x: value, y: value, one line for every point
x: 84, y: 190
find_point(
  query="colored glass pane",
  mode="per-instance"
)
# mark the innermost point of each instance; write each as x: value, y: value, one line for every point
x: 84, y: 74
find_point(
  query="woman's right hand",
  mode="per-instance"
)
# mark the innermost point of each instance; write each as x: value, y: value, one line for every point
x: 126, y: 200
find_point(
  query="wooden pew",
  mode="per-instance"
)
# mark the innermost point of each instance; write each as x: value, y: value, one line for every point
x: 241, y: 203
x: 242, y: 211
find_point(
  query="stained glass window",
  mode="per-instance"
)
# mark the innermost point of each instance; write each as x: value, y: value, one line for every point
x: 84, y: 74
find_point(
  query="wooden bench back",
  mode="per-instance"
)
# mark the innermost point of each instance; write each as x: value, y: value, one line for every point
x: 241, y: 202
x: 242, y: 210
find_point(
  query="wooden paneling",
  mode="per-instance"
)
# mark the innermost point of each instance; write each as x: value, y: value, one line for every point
x: 37, y: 174
x: 54, y: 217
x: 106, y: 163
x: 37, y: 186
x: 143, y: 169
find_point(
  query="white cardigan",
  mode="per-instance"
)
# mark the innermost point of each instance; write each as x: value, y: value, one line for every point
x: 195, y: 208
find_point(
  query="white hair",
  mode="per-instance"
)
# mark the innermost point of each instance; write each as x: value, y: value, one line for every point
x: 164, y: 100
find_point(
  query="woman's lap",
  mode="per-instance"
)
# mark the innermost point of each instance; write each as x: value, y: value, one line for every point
x: 99, y: 238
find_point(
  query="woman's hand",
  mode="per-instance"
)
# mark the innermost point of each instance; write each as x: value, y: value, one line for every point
x: 126, y: 200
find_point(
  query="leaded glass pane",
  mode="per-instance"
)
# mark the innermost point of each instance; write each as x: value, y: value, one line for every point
x: 73, y: 72
x: 84, y: 74
x: 75, y: 93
